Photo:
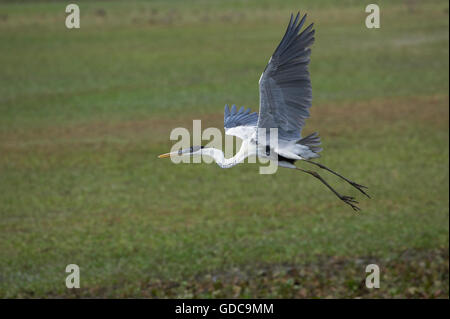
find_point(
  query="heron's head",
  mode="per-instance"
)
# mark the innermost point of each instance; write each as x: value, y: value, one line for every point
x: 193, y: 150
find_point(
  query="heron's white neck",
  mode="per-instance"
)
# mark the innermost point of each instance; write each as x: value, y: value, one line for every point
x: 223, y: 162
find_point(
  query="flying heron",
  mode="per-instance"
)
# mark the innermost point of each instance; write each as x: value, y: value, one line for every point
x: 285, y: 98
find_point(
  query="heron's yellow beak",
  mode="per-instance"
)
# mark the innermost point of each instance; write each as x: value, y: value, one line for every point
x: 164, y: 155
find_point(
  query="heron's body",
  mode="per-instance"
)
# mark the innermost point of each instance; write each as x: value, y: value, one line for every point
x: 285, y: 98
x: 286, y: 153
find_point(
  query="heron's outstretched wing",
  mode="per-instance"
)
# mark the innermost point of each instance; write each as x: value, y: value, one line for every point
x: 240, y: 123
x: 285, y: 85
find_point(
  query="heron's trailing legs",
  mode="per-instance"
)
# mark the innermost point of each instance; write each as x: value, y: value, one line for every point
x: 357, y: 186
x: 346, y: 199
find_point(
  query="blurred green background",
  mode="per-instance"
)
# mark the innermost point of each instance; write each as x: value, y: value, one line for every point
x: 85, y: 112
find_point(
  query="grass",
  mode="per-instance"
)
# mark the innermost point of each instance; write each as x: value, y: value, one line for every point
x: 85, y: 112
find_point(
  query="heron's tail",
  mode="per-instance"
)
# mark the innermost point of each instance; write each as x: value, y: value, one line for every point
x: 312, y: 141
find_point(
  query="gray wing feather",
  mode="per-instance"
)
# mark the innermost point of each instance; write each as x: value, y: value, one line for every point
x: 243, y: 117
x: 285, y: 85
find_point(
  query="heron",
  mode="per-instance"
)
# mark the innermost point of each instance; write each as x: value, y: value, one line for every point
x: 285, y: 94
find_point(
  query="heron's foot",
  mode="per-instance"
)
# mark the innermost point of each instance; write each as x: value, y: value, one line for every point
x: 359, y: 187
x: 350, y: 201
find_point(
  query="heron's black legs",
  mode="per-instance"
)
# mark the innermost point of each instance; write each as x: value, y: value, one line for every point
x: 357, y: 186
x: 346, y: 199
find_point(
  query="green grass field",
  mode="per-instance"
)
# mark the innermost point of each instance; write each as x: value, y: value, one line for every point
x: 84, y: 114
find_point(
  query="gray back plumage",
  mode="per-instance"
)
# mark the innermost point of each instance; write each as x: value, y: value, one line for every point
x: 285, y: 85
